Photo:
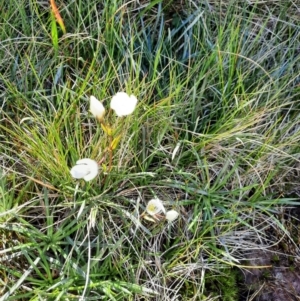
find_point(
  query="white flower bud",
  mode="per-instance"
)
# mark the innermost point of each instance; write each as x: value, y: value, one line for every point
x: 171, y: 215
x: 96, y: 108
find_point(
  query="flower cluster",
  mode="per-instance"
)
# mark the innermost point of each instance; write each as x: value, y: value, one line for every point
x: 87, y: 169
x: 155, y: 207
x: 123, y: 105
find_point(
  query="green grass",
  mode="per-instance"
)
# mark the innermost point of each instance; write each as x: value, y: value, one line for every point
x: 217, y: 83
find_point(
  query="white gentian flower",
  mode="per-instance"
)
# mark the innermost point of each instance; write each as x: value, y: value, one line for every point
x: 171, y: 215
x: 97, y: 108
x: 155, y: 206
x: 123, y: 104
x: 86, y: 169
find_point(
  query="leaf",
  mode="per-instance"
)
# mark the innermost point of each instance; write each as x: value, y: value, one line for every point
x: 57, y: 16
x: 149, y: 218
x: 104, y: 167
x: 115, y: 142
x: 136, y: 221
x: 54, y: 34
x: 107, y: 129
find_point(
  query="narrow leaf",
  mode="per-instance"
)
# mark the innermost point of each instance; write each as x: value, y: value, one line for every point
x: 54, y: 34
x: 57, y: 16
x: 115, y: 142
x: 107, y: 129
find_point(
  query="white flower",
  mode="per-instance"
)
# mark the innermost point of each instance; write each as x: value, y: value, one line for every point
x: 123, y: 104
x: 86, y: 169
x: 171, y: 215
x: 96, y: 108
x: 155, y: 206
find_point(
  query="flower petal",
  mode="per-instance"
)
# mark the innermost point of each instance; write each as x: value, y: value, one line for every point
x: 78, y: 172
x: 155, y: 206
x: 96, y: 107
x: 86, y: 169
x: 123, y: 104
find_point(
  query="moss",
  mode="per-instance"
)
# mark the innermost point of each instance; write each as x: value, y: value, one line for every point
x: 292, y: 268
x: 266, y: 274
x: 223, y: 285
x: 275, y: 259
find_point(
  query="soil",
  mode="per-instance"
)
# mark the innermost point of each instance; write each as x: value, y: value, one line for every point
x: 275, y: 272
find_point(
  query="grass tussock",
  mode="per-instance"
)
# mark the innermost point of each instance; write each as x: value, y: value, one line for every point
x: 214, y: 136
